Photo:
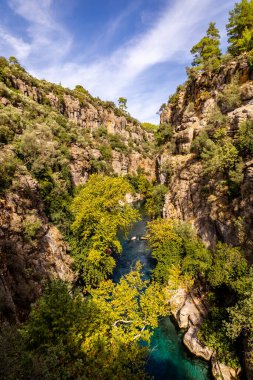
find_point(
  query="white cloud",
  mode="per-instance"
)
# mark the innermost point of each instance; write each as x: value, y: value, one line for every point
x: 15, y: 45
x: 169, y: 39
x: 46, y: 41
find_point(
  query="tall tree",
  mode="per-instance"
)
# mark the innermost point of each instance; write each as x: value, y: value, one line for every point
x: 100, y: 210
x: 240, y: 28
x: 71, y: 337
x: 207, y: 51
x: 122, y: 103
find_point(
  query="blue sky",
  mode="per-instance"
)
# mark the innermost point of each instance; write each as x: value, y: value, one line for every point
x: 137, y: 49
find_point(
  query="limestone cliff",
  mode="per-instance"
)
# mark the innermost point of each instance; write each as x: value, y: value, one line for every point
x: 210, y: 105
x: 51, y: 140
x: 93, y: 117
x: 193, y: 196
x: 31, y: 249
x: 189, y: 308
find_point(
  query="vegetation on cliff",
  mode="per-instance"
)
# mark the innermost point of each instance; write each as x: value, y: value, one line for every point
x: 72, y: 337
x: 182, y: 257
x: 102, y: 330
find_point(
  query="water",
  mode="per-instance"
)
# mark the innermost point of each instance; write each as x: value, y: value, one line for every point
x: 168, y: 359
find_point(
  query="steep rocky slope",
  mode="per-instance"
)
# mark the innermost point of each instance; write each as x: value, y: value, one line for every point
x: 93, y: 119
x: 195, y: 195
x: 206, y: 162
x: 31, y: 249
x: 51, y: 140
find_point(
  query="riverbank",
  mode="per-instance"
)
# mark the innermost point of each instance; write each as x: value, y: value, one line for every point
x: 189, y: 308
x: 169, y: 359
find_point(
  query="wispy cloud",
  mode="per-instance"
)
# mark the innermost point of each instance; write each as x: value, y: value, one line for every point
x: 13, y: 45
x: 128, y: 67
x: 44, y: 40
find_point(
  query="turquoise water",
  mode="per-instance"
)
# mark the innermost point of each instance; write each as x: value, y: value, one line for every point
x: 168, y: 359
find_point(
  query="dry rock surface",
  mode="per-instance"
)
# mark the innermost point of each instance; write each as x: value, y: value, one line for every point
x: 189, y: 308
x: 192, y: 197
x: 31, y: 250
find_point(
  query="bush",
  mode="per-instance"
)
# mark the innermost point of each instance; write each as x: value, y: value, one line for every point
x: 200, y: 142
x: 149, y: 127
x: 117, y: 143
x: 230, y: 98
x: 106, y: 152
x: 245, y: 137
x: 31, y: 226
x: 219, y: 157
x: 164, y: 133
x: 8, y: 165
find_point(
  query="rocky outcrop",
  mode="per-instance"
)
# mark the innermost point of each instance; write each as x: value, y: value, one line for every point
x: 205, y: 200
x: 91, y: 115
x: 189, y: 308
x: 192, y: 196
x: 31, y: 250
x: 188, y: 111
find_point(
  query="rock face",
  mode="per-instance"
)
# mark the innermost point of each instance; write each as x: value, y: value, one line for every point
x: 95, y: 135
x: 91, y: 115
x: 191, y: 196
x: 31, y: 250
x: 200, y: 199
x: 189, y: 308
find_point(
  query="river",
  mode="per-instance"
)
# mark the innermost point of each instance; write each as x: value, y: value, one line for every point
x: 168, y: 359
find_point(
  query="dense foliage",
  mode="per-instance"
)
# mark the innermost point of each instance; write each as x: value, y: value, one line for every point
x: 174, y: 243
x: 103, y: 331
x: 207, y: 51
x: 100, y: 210
x: 72, y: 337
x: 240, y: 28
x: 182, y: 260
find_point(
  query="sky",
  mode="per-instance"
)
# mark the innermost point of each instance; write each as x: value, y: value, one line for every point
x: 136, y: 49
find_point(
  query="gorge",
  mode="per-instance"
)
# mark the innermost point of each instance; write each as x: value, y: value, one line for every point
x: 93, y: 286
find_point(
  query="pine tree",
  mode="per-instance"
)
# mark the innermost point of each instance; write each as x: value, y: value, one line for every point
x: 122, y: 103
x: 240, y: 28
x: 207, y: 51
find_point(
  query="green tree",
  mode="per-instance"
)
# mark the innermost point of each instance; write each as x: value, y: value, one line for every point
x: 229, y: 268
x: 207, y: 51
x: 240, y: 27
x: 245, y: 137
x: 100, y: 211
x: 219, y: 157
x: 8, y: 166
x: 155, y: 201
x: 69, y: 337
x: 122, y: 103
x: 175, y: 244
x: 240, y: 323
x: 164, y: 133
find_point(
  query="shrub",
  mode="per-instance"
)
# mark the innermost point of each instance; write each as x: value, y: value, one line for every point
x: 230, y: 98
x: 200, y: 142
x: 8, y: 165
x: 149, y: 127
x: 164, y: 133
x: 106, y: 152
x: 219, y: 157
x: 245, y: 137
x: 31, y: 225
x: 117, y: 143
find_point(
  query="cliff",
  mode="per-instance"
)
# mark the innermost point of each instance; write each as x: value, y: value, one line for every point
x: 206, y: 163
x: 51, y: 140
x: 94, y: 122
x: 31, y: 249
x: 209, y: 101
